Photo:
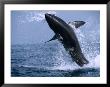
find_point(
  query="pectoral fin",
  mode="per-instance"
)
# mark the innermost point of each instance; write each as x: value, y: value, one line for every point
x: 53, y: 38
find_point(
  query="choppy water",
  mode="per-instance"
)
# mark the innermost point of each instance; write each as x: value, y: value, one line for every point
x: 51, y: 60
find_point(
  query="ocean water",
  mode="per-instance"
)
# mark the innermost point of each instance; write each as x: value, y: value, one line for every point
x: 51, y: 60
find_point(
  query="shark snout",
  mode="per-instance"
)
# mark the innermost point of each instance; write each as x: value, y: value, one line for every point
x: 83, y: 22
x: 48, y: 16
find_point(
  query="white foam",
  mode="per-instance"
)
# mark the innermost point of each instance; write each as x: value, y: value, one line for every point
x: 94, y: 62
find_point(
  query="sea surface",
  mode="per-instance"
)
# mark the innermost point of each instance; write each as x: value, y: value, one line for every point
x: 51, y: 60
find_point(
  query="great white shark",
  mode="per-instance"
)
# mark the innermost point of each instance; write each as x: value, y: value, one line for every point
x: 66, y: 35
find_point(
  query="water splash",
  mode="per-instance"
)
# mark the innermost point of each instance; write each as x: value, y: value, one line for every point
x: 33, y: 16
x: 66, y: 62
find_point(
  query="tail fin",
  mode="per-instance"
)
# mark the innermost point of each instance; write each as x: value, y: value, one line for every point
x: 79, y: 59
x: 82, y: 61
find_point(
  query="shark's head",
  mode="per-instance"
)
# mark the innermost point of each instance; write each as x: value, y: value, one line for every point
x: 50, y: 17
x: 54, y: 22
x: 51, y: 20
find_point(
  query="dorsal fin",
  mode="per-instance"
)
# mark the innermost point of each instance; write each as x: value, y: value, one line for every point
x: 76, y: 24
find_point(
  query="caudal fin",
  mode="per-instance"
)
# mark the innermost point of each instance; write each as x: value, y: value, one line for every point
x: 82, y: 61
x: 79, y: 58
